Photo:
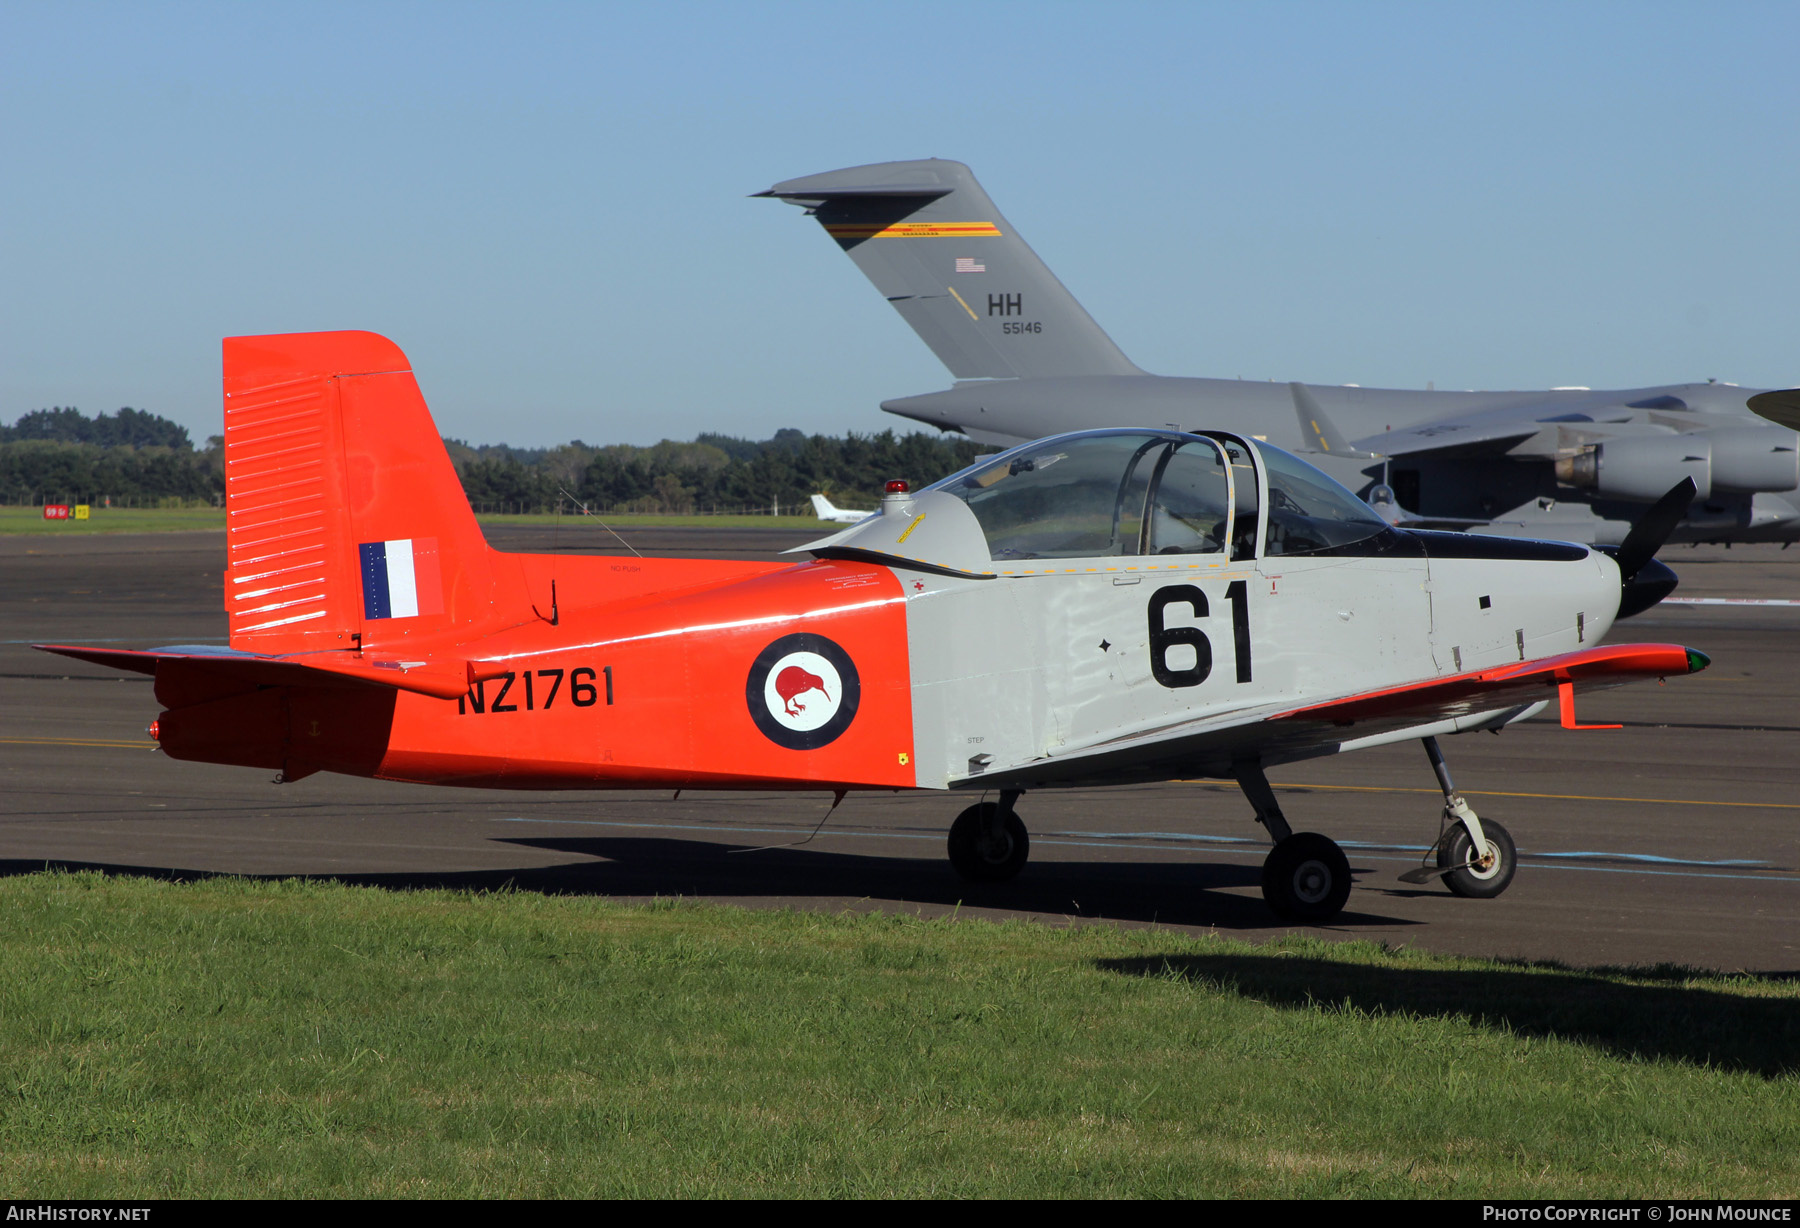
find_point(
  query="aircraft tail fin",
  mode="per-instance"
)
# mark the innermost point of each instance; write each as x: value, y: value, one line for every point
x: 932, y: 242
x: 1318, y: 433
x: 346, y: 525
x: 822, y: 507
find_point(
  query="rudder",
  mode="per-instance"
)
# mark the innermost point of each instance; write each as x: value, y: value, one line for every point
x: 346, y: 526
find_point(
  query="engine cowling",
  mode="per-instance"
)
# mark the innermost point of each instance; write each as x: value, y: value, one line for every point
x: 1642, y: 468
x: 1755, y: 458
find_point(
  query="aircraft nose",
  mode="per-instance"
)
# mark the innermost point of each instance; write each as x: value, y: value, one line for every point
x: 1648, y: 585
x: 1644, y: 580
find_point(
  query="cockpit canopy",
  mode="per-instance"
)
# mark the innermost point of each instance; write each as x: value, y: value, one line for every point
x: 1100, y: 495
x: 1107, y: 493
x: 1123, y: 493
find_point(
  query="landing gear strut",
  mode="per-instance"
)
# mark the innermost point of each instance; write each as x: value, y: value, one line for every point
x: 1306, y: 876
x: 1475, y: 856
x: 988, y: 843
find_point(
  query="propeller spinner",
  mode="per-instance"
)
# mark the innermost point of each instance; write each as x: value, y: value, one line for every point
x: 1643, y: 580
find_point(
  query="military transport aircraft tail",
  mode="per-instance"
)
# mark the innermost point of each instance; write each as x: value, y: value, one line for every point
x: 930, y: 239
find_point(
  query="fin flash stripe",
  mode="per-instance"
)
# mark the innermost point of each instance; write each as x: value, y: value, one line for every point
x: 912, y: 230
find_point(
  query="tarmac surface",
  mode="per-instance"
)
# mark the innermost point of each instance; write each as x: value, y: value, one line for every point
x: 1672, y: 840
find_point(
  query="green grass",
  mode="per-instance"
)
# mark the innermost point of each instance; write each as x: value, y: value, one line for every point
x: 114, y: 520
x: 235, y: 1038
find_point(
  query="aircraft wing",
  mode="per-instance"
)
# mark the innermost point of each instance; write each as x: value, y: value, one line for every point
x: 1487, y: 430
x: 1484, y: 431
x: 1272, y: 733
x: 1493, y: 431
x: 440, y: 679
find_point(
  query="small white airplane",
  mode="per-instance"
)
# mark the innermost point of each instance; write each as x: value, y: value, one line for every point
x: 842, y: 515
x: 1107, y: 607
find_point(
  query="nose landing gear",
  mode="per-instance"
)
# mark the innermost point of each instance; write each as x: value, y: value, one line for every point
x: 1475, y: 857
x: 1477, y: 877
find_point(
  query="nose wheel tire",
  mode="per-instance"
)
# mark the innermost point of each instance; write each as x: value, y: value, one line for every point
x: 986, y: 849
x: 1483, y: 879
x: 1306, y: 878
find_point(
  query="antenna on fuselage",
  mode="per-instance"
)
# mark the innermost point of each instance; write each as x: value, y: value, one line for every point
x: 587, y: 511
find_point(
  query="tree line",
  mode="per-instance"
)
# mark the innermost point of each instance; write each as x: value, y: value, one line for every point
x: 712, y: 473
x: 62, y: 456
x: 131, y: 428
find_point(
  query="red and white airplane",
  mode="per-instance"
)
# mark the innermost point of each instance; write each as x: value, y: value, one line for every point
x: 1105, y: 607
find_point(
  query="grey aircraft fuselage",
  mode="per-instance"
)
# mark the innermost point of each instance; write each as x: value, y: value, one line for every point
x: 1569, y: 464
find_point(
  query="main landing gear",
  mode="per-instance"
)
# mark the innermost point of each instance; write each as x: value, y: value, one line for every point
x: 1306, y: 876
x: 1475, y: 856
x: 988, y: 843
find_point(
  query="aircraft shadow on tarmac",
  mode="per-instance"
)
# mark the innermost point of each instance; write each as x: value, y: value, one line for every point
x: 1170, y: 893
x: 1670, y: 1022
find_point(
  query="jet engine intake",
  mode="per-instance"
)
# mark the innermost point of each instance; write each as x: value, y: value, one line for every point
x: 1641, y: 468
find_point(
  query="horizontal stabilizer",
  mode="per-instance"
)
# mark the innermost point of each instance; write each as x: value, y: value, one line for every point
x: 800, y: 192
x: 439, y: 679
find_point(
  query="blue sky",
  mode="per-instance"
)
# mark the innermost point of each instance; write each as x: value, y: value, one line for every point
x: 545, y: 204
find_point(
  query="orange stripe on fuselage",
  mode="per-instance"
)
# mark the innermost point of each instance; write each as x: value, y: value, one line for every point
x: 680, y: 660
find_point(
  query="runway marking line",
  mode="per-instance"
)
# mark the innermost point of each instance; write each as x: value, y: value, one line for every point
x: 1554, y: 797
x: 1732, y: 601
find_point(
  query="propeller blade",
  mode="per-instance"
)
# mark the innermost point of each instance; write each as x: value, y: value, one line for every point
x: 1653, y: 528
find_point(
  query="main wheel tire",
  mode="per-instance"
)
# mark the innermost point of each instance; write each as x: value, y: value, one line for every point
x: 979, y: 857
x: 1306, y: 878
x: 1485, y: 879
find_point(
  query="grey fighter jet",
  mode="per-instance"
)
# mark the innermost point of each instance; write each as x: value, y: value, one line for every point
x: 1573, y: 464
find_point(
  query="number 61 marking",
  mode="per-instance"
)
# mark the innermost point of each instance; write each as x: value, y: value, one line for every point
x: 1163, y: 638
